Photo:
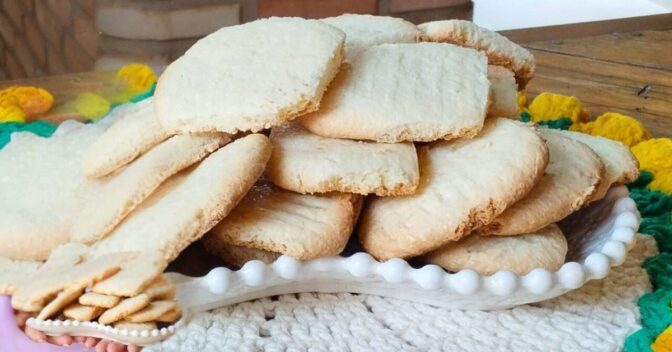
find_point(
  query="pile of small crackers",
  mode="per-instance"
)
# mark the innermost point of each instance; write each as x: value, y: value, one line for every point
x: 126, y: 289
x: 287, y: 136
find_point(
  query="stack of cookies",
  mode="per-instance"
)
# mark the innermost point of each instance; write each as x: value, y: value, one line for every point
x: 124, y: 289
x: 287, y: 136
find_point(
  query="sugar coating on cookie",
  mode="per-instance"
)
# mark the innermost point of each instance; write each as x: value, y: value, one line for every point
x: 500, y: 50
x: 123, y: 191
x: 41, y: 190
x: 571, y: 178
x: 250, y: 77
x: 503, y: 93
x: 301, y: 226
x: 307, y: 163
x: 464, y: 184
x: 364, y: 31
x: 405, y: 92
x: 136, y: 131
x: 545, y: 248
x: 621, y: 166
x: 190, y: 203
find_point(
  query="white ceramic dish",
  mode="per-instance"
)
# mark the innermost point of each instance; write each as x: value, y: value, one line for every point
x: 599, y: 237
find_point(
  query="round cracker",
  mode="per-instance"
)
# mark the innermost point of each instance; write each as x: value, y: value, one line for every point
x: 463, y: 185
x: 301, y: 226
x: 520, y: 254
x: 250, y: 77
x: 500, y: 50
x: 307, y: 163
x: 190, y: 203
x: 571, y: 178
x: 364, y: 31
x: 405, y: 92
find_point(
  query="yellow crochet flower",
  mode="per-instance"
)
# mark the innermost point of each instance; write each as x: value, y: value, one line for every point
x: 549, y: 106
x: 11, y: 113
x: 33, y: 101
x: 654, y: 154
x: 522, y: 101
x: 92, y: 106
x: 614, y: 126
x: 139, y: 76
x: 662, y: 181
x: 663, y: 342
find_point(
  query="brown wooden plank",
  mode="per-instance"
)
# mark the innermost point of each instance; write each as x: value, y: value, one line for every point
x: 605, y: 86
x: 586, y: 29
x: 635, y: 48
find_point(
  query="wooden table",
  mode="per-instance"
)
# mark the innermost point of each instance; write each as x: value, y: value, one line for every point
x: 628, y: 72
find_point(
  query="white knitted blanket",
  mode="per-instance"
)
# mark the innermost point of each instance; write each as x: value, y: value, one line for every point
x: 597, y: 317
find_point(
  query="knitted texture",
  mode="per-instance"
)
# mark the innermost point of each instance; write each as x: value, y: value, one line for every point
x: 596, y: 317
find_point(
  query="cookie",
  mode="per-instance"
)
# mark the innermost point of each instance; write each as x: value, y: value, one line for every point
x: 125, y: 308
x: 37, y: 290
x: 280, y: 68
x: 123, y: 191
x: 364, y: 31
x: 161, y: 289
x: 63, y: 299
x: 189, y: 204
x: 41, y: 190
x: 503, y: 93
x: 237, y: 256
x: 93, y: 299
x: 545, y: 248
x: 135, y: 132
x: 464, y: 184
x: 152, y: 312
x: 385, y: 95
x: 620, y: 164
x: 298, y: 225
x: 170, y: 317
x: 500, y: 50
x: 13, y: 272
x: 134, y: 326
x: 307, y: 163
x: 571, y: 178
x: 80, y: 312
x: 135, y: 276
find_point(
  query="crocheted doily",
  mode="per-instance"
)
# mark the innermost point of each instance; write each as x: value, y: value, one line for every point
x: 597, y: 317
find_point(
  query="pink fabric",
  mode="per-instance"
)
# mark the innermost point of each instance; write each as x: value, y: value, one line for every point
x: 12, y: 339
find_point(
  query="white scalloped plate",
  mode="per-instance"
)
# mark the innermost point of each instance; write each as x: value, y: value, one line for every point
x: 598, y: 236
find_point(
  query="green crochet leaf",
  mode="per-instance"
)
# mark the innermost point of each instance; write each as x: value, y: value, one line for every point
x: 659, y: 268
x: 645, y: 177
x: 655, y: 310
x: 525, y: 116
x: 40, y: 128
x: 144, y: 95
x: 639, y: 341
x: 562, y: 123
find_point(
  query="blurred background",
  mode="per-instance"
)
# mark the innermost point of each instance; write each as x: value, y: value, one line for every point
x: 51, y: 37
